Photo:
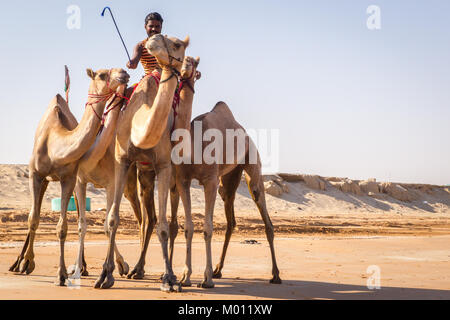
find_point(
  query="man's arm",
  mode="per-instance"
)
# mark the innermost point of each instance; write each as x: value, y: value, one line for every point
x: 133, y: 63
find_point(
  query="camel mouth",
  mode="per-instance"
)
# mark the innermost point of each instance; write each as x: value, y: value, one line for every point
x: 122, y: 80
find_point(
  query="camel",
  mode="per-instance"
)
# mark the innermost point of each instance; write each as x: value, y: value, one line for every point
x: 225, y: 178
x: 146, y: 171
x: 59, y: 144
x: 97, y: 167
x: 140, y: 128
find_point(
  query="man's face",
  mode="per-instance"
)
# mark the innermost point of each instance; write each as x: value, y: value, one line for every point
x: 153, y: 27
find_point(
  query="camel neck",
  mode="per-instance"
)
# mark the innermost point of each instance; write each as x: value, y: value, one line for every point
x: 149, y: 123
x: 184, y: 110
x: 104, y: 137
x: 79, y: 140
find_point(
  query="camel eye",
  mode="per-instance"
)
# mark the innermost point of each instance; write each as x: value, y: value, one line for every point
x: 102, y: 76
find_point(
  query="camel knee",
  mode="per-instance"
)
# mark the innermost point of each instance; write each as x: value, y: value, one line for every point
x: 270, y: 231
x: 188, y: 230
x: 61, y: 229
x: 82, y: 226
x: 113, y: 222
x: 173, y: 227
x: 207, y: 232
x: 163, y: 231
x: 33, y: 222
x: 231, y: 226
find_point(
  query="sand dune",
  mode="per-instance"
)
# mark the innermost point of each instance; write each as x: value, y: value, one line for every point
x: 301, y: 207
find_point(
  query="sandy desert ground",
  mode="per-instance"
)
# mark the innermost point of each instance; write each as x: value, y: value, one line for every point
x: 329, y: 233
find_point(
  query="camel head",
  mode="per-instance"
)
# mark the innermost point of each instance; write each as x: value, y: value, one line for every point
x: 168, y: 51
x: 106, y: 81
x: 189, y: 68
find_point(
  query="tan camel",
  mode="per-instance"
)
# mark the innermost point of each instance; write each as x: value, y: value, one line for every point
x: 59, y: 143
x: 97, y: 167
x: 139, y: 130
x: 146, y: 172
x: 224, y: 177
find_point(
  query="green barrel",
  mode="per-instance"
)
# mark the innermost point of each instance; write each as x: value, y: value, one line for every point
x: 56, y: 204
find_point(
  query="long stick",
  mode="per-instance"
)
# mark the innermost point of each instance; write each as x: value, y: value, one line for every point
x: 66, y: 83
x: 103, y: 14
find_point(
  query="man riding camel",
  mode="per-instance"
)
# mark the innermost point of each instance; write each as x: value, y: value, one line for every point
x: 153, y: 25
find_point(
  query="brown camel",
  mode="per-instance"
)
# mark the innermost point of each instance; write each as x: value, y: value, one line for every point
x: 59, y: 144
x: 140, y: 128
x: 146, y: 171
x: 219, y: 175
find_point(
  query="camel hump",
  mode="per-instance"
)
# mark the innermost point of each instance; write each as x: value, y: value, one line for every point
x: 223, y: 109
x: 59, y: 101
x: 62, y: 111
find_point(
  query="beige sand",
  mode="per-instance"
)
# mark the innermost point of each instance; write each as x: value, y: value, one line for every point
x: 325, y: 241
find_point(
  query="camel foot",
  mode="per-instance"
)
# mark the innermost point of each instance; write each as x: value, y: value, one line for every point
x: 206, y: 284
x: 185, y: 281
x: 106, y: 279
x: 137, y: 273
x: 275, y: 280
x: 123, y: 267
x: 177, y: 287
x: 61, y: 278
x: 28, y: 266
x: 75, y: 269
x: 169, y: 284
x: 217, y: 274
x: 165, y: 287
x: 16, y: 265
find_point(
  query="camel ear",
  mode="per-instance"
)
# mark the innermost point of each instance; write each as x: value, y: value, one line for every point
x: 186, y: 41
x: 90, y: 73
x: 197, y: 61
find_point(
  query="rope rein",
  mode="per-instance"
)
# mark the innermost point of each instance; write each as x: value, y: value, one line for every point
x: 105, y: 97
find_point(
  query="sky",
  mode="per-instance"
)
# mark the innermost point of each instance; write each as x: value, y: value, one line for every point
x: 346, y: 100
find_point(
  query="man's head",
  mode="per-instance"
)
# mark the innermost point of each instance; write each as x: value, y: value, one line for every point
x: 153, y: 23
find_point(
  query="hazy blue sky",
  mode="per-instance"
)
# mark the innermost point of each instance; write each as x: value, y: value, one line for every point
x: 348, y: 101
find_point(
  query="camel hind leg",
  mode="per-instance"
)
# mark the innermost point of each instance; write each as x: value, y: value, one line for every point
x: 79, y: 268
x: 210, y: 189
x: 38, y: 185
x: 147, y: 184
x: 227, y: 190
x: 173, y: 227
x: 255, y: 185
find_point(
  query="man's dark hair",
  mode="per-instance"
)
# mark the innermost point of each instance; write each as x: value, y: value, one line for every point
x: 154, y: 16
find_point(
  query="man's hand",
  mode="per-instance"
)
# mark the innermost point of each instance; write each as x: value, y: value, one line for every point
x: 131, y: 65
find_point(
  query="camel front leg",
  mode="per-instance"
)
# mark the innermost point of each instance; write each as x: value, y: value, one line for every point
x: 120, y: 261
x: 79, y: 268
x: 164, y: 174
x: 106, y: 279
x: 38, y: 185
x: 210, y: 188
x: 67, y: 187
